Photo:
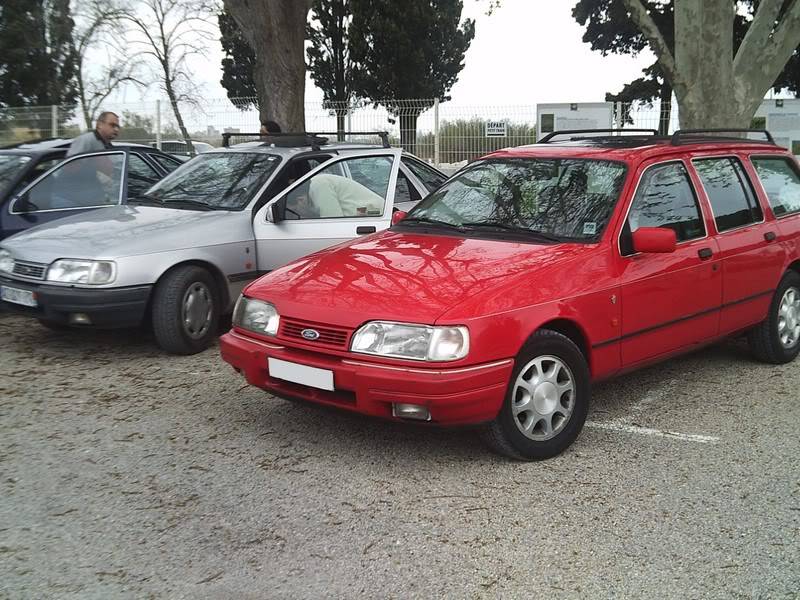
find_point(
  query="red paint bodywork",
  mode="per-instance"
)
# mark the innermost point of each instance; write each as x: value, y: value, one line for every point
x: 622, y: 311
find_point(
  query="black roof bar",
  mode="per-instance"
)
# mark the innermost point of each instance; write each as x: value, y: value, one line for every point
x: 688, y: 136
x: 311, y: 138
x: 571, y: 132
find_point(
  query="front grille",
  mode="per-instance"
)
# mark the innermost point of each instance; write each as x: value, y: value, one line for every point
x: 329, y: 336
x: 29, y: 269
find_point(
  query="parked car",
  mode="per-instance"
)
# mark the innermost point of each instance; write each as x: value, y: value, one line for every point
x: 179, y: 254
x: 532, y: 273
x: 180, y: 149
x: 21, y: 164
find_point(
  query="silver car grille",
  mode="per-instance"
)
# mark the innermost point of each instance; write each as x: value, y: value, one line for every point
x: 29, y: 270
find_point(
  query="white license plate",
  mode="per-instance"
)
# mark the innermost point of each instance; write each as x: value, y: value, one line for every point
x: 24, y: 297
x: 311, y: 376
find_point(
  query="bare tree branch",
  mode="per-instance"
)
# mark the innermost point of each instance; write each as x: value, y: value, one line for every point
x: 659, y: 46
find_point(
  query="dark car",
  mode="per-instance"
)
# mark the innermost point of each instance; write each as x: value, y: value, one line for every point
x: 22, y: 164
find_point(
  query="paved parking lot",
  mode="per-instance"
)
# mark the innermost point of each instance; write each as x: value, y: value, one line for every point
x: 126, y: 473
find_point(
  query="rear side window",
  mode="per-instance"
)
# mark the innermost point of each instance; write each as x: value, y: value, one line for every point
x: 664, y: 198
x: 167, y: 163
x: 781, y: 182
x: 729, y: 192
x: 430, y: 178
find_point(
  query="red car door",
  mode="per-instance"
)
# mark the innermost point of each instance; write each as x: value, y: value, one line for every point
x: 670, y: 301
x: 752, y: 257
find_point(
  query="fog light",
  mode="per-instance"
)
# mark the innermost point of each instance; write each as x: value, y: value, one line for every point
x: 411, y: 411
x: 79, y: 319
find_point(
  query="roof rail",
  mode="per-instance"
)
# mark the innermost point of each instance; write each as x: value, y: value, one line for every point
x: 302, y: 138
x: 548, y: 139
x: 693, y: 136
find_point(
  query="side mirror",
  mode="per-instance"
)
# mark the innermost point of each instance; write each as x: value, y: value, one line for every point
x: 654, y: 239
x: 276, y: 212
x: 22, y: 205
x: 398, y: 216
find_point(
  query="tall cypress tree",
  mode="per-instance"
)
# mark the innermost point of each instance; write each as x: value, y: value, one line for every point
x: 238, y: 63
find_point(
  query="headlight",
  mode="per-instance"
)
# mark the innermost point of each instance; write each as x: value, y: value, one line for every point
x: 415, y: 342
x: 94, y: 272
x: 6, y: 262
x: 255, y: 315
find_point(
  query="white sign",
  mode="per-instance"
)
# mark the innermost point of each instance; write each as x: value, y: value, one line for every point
x: 576, y: 115
x: 496, y: 129
x: 782, y: 119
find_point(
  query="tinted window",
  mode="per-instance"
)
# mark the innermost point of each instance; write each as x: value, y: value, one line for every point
x: 665, y: 198
x: 86, y: 181
x: 429, y: 177
x: 732, y: 199
x: 167, y: 163
x: 781, y: 182
x: 405, y: 190
x: 11, y: 165
x: 141, y: 176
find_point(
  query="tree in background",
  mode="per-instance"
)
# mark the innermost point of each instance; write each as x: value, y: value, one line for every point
x: 37, y: 63
x: 169, y: 32
x: 276, y: 30
x: 238, y: 63
x: 99, y: 22
x: 407, y: 50
x: 718, y: 84
x: 329, y: 56
x: 611, y: 30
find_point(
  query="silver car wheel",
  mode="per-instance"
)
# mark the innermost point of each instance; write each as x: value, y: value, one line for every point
x: 543, y: 398
x: 789, y: 318
x: 196, y: 310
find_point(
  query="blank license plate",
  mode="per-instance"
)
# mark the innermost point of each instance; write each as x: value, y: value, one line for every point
x: 305, y: 375
x: 24, y: 297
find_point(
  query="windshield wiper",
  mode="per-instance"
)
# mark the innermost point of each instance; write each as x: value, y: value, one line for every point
x: 505, y: 227
x: 429, y: 221
x: 189, y: 203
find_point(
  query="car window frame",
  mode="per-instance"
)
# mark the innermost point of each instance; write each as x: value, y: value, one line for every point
x: 795, y: 165
x: 647, y: 167
x: 123, y: 190
x: 739, y: 158
x: 413, y: 159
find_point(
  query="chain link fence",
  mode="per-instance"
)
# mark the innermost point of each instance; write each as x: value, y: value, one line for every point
x: 443, y: 133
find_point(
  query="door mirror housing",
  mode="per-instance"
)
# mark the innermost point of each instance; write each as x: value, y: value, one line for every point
x: 276, y: 212
x: 398, y: 216
x: 658, y: 240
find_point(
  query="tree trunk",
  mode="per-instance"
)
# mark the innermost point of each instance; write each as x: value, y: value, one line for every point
x: 276, y: 31
x: 177, y: 112
x: 408, y: 130
x: 341, y: 115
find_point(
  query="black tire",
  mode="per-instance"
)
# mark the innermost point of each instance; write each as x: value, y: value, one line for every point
x: 176, y: 324
x: 53, y: 326
x: 765, y: 338
x: 505, y: 434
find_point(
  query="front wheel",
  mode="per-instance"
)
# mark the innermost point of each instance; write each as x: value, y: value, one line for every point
x: 776, y: 339
x: 186, y: 310
x: 546, y: 402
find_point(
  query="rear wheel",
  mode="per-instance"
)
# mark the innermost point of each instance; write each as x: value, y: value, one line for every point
x: 546, y: 402
x: 185, y: 310
x: 776, y: 339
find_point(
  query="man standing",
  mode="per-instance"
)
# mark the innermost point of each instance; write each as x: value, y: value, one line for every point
x: 106, y: 129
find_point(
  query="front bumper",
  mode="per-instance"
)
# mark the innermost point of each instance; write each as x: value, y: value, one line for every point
x: 454, y: 396
x: 106, y: 308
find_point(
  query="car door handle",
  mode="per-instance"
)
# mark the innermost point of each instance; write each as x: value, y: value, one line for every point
x: 364, y: 229
x: 705, y: 253
x: 770, y: 236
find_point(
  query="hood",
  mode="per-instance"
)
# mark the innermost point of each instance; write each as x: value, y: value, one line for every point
x: 419, y: 278
x: 126, y: 230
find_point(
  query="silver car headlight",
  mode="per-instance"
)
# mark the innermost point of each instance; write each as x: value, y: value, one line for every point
x: 256, y: 315
x: 6, y: 262
x: 93, y: 272
x: 415, y: 342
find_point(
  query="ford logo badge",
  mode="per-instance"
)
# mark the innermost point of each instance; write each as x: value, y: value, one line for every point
x: 310, y: 334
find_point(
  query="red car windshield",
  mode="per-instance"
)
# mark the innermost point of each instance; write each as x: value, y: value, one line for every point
x: 555, y: 198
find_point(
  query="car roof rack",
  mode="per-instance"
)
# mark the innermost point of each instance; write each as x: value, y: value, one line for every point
x: 302, y: 138
x: 695, y: 136
x: 581, y: 134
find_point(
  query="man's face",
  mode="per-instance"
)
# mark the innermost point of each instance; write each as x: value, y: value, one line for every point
x: 108, y: 128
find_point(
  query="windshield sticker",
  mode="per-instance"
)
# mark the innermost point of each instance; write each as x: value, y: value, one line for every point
x: 589, y: 228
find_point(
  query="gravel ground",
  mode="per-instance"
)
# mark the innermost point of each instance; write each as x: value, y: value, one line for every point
x: 125, y: 473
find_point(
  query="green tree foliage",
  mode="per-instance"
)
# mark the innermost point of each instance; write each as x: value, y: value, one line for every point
x: 407, y: 50
x: 37, y: 63
x: 329, y: 55
x: 238, y: 63
x: 610, y: 30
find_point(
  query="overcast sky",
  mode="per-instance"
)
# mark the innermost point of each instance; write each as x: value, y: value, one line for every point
x: 526, y: 52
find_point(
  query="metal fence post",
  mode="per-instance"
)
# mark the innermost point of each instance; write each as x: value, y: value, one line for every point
x: 54, y: 118
x: 349, y: 117
x: 158, y: 124
x: 436, y: 131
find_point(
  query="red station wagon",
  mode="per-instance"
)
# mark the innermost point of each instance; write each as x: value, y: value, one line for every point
x: 531, y: 273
